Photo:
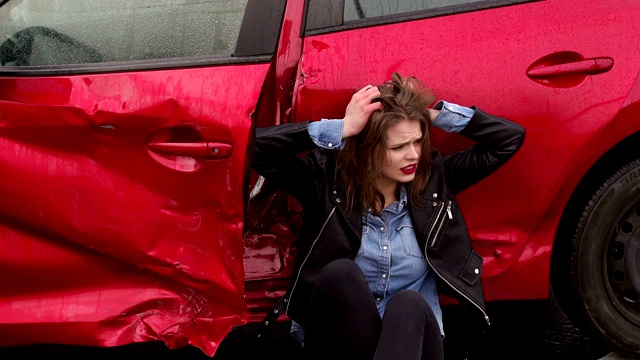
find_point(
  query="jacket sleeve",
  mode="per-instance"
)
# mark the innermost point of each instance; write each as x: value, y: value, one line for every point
x: 497, y: 140
x: 276, y: 156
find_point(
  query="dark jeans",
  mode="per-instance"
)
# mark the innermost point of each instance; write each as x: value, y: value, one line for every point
x: 343, y: 322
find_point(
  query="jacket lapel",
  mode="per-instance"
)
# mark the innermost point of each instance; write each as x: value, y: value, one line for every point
x: 353, y: 218
x: 420, y: 219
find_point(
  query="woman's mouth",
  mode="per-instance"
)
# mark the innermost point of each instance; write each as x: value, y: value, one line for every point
x: 410, y: 169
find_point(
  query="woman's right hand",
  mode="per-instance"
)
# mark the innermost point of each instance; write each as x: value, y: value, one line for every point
x: 360, y: 109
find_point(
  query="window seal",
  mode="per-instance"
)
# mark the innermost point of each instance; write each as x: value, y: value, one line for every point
x: 125, y: 66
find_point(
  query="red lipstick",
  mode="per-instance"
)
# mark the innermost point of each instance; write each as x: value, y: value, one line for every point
x: 410, y: 169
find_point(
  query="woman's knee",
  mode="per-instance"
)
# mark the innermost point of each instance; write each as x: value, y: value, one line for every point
x: 409, y: 302
x: 341, y: 271
x: 407, y: 298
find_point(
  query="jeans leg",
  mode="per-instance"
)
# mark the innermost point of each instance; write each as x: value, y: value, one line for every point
x: 410, y: 330
x: 343, y: 321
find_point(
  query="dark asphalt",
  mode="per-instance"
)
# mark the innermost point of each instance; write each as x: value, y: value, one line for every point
x: 525, y: 330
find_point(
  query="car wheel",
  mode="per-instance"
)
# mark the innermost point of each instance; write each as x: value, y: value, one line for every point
x: 604, y: 261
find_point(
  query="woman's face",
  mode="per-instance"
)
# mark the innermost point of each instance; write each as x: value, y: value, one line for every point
x: 404, y: 147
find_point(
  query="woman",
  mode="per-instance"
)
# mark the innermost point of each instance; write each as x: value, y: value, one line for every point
x: 381, y: 224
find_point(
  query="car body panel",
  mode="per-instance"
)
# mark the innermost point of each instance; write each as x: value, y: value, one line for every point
x: 128, y: 212
x: 497, y: 49
x: 109, y: 240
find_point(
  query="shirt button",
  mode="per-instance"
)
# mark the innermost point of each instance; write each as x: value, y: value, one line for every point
x: 330, y: 144
x: 435, y: 195
x: 338, y: 200
x: 384, y: 276
x: 377, y: 299
x: 385, y: 247
x: 381, y: 228
x: 435, y: 203
x: 476, y: 271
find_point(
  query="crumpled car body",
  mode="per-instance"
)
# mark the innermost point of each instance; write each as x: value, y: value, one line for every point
x: 128, y: 208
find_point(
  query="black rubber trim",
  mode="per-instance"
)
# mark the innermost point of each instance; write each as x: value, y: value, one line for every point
x: 126, y: 66
x: 256, y: 38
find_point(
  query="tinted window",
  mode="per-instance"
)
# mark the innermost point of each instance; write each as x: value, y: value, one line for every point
x: 360, y: 9
x: 331, y: 14
x: 58, y: 32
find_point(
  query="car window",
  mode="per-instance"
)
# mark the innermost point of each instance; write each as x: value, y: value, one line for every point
x: 333, y: 15
x: 360, y: 9
x: 59, y: 32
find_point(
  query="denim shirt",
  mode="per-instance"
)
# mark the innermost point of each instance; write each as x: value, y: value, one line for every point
x: 391, y: 259
x: 389, y: 255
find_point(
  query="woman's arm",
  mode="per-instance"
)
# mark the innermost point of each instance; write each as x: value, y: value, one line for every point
x: 276, y: 156
x: 277, y: 149
x: 497, y: 140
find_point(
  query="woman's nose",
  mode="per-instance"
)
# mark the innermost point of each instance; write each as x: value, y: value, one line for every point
x: 413, y: 153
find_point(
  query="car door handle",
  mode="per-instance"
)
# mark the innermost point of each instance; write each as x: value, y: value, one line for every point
x: 209, y: 149
x: 590, y: 66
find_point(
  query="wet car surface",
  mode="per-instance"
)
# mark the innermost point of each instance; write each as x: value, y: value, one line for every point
x: 129, y: 212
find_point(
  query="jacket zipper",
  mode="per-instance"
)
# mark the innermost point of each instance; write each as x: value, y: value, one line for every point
x: 438, y: 226
x: 295, y: 283
x: 486, y: 317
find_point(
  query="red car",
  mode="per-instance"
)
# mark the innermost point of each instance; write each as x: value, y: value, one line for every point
x: 128, y: 210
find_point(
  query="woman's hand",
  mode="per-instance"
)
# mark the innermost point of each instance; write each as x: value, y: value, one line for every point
x: 359, y: 109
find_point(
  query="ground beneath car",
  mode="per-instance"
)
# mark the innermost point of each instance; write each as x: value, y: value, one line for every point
x: 526, y: 330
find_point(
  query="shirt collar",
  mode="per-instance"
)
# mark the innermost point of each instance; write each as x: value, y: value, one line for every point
x: 402, y: 203
x: 403, y: 197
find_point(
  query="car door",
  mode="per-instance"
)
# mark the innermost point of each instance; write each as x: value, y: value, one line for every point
x: 124, y: 128
x: 564, y: 69
x: 548, y: 65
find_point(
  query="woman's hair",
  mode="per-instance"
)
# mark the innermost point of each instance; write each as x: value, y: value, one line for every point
x: 360, y: 162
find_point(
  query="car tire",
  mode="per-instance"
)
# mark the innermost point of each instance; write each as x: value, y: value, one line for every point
x: 604, y: 262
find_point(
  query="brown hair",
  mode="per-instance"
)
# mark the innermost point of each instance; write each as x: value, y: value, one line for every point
x: 360, y: 162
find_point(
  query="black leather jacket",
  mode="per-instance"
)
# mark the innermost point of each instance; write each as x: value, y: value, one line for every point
x: 330, y: 232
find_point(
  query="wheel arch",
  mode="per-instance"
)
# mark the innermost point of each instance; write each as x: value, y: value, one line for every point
x: 616, y: 157
x: 619, y: 153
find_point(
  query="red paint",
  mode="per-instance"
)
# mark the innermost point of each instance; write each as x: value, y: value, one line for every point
x: 97, y: 231
x: 517, y: 209
x: 120, y: 223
